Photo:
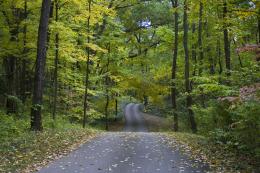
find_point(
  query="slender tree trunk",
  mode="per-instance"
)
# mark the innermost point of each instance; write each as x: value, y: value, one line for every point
x: 201, y: 53
x: 219, y: 57
x: 194, y: 54
x: 116, y: 108
x: 107, y: 101
x: 10, y: 70
x: 50, y: 74
x: 107, y: 104
x: 87, y: 69
x: 24, y: 72
x: 226, y: 39
x: 11, y: 66
x: 107, y: 86
x: 56, y: 61
x: 211, y: 59
x: 174, y: 66
x: 258, y: 21
x: 49, y: 32
x: 239, y: 58
x: 187, y: 68
x: 36, y: 118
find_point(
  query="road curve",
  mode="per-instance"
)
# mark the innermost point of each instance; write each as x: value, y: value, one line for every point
x: 134, y: 122
x: 132, y: 151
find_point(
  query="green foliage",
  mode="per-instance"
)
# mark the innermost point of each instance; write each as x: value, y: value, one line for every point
x: 236, y: 127
x: 18, y: 105
x: 11, y: 127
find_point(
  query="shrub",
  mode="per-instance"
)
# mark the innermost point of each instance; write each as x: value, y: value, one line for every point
x: 240, y: 129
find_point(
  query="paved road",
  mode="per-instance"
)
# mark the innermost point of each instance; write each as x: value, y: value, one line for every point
x: 132, y: 151
x: 134, y: 121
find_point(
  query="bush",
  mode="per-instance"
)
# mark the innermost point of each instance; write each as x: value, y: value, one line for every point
x: 240, y: 129
x: 16, y: 105
x: 11, y: 126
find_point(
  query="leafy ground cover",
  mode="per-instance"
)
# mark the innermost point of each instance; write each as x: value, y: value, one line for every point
x: 220, y: 157
x: 156, y: 123
x: 22, y: 150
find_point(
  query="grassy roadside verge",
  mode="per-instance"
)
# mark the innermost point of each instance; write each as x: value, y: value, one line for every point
x: 220, y: 158
x: 30, y: 151
x: 155, y: 123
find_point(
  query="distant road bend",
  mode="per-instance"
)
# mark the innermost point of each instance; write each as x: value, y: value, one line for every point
x: 132, y: 151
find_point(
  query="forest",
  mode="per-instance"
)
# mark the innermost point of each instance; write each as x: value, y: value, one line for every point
x: 68, y: 68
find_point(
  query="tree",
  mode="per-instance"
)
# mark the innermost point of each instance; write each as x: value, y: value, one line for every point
x: 36, y: 118
x: 87, y: 69
x: 187, y: 69
x: 174, y: 64
x: 25, y: 71
x: 226, y: 38
x: 201, y: 51
x: 56, y: 60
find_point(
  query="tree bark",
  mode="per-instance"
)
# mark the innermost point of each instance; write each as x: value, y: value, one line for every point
x: 211, y: 59
x: 187, y: 69
x: 11, y: 62
x: 226, y: 39
x: 219, y: 57
x: 107, y: 86
x: 87, y: 69
x: 56, y: 61
x: 194, y: 54
x: 174, y: 65
x: 107, y: 100
x: 24, y: 80
x: 258, y: 22
x: 201, y: 54
x: 10, y: 70
x: 36, y: 118
x: 116, y: 108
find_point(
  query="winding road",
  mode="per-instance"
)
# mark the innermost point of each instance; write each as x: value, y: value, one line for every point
x: 132, y: 151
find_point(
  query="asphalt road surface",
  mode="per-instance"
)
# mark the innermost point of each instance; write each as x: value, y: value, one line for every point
x: 132, y: 151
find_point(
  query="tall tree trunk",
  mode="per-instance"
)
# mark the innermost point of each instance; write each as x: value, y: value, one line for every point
x: 107, y: 99
x: 219, y: 57
x: 226, y: 39
x: 174, y: 66
x: 87, y: 69
x: 201, y: 53
x: 11, y: 65
x: 107, y: 103
x: 187, y: 68
x: 209, y: 54
x: 56, y: 61
x: 36, y: 118
x: 10, y: 70
x: 107, y: 86
x: 24, y: 75
x: 49, y: 31
x: 258, y: 22
x: 194, y: 53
